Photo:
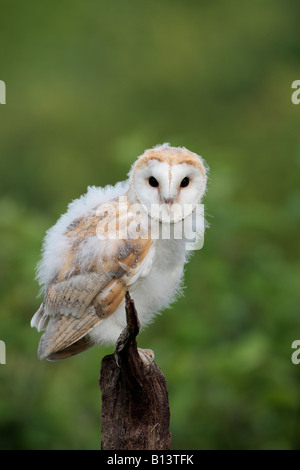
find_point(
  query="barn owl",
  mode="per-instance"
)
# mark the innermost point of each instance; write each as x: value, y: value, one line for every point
x: 102, y: 247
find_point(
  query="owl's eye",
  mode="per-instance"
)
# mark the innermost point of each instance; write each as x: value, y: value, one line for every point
x: 185, y: 182
x: 153, y: 182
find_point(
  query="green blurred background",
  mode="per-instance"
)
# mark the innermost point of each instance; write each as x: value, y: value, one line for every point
x: 92, y: 84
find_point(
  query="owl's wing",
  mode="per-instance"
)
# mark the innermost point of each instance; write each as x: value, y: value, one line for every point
x: 78, y: 299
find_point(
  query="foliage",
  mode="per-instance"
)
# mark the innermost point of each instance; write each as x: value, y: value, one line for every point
x: 90, y: 85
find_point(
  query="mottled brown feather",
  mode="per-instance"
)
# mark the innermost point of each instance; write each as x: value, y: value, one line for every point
x: 78, y: 299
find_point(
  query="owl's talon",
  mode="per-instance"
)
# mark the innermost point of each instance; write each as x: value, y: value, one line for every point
x: 147, y: 356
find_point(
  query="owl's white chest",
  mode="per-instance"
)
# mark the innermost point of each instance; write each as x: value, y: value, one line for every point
x: 160, y: 278
x: 155, y: 288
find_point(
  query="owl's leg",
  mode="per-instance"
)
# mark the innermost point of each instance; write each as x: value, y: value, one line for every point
x: 146, y: 355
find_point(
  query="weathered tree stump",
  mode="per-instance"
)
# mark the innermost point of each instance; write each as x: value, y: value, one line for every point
x: 135, y: 407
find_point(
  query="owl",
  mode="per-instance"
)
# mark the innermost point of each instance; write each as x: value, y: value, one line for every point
x: 113, y: 240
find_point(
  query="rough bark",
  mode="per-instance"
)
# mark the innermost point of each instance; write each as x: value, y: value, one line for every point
x: 135, y: 408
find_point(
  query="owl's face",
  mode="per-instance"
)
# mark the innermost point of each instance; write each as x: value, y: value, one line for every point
x: 172, y: 178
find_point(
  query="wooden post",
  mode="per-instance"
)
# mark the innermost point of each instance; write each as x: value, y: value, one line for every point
x: 135, y: 408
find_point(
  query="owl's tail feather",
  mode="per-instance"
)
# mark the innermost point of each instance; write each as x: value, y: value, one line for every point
x: 75, y: 348
x: 66, y: 336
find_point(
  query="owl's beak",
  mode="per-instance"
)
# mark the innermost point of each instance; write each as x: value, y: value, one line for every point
x: 168, y: 201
